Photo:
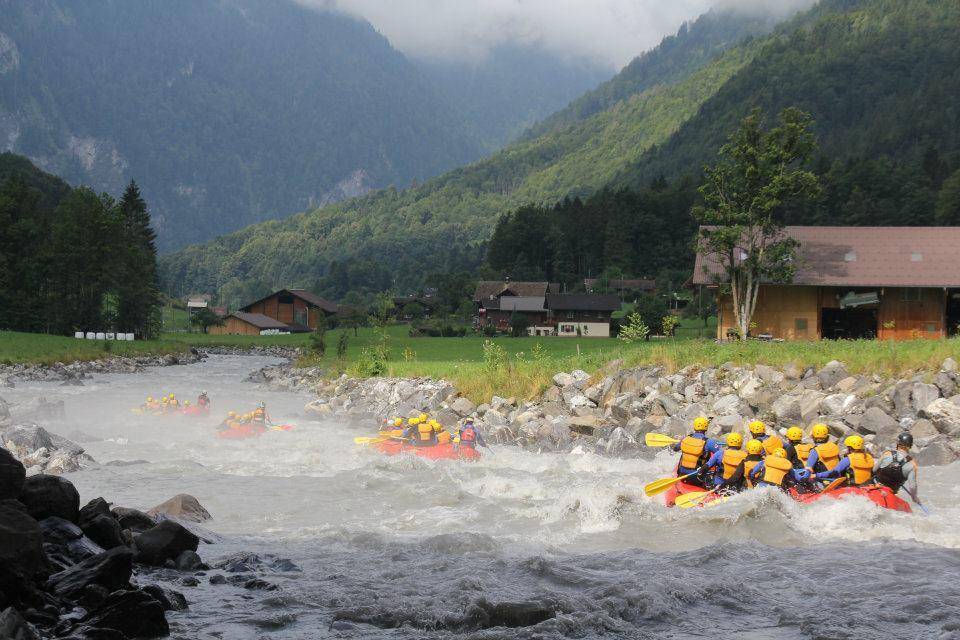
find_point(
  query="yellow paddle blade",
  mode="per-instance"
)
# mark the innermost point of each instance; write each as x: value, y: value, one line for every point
x: 364, y: 440
x: 692, y: 499
x: 659, y: 486
x: 833, y: 485
x: 658, y: 440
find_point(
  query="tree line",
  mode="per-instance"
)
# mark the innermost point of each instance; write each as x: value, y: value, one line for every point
x: 72, y: 259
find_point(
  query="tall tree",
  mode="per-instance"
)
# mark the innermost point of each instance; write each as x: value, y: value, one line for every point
x: 137, y: 285
x: 760, y: 173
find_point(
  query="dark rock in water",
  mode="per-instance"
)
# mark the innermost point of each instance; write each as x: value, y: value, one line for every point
x: 111, y: 569
x: 218, y: 579
x: 93, y: 633
x: 28, y: 437
x: 188, y: 561
x: 247, y: 562
x: 169, y: 599
x: 190, y: 581
x: 136, y: 614
x: 21, y: 547
x: 165, y: 541
x: 182, y: 506
x: 93, y: 596
x: 14, y: 627
x: 12, y: 475
x: 67, y: 539
x: 46, y: 495
x: 136, y: 521
x: 259, y: 584
x: 97, y: 506
x: 105, y: 531
x: 484, y: 615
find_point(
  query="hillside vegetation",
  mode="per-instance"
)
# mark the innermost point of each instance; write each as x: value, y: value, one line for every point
x: 878, y: 76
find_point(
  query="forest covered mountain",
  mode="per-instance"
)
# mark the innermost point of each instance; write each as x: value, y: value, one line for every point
x: 227, y: 112
x: 878, y: 76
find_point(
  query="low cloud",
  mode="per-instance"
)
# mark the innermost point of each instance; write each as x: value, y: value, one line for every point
x: 607, y: 32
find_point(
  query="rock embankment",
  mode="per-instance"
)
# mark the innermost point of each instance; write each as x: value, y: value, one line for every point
x: 610, y: 412
x: 68, y: 571
x: 291, y: 353
x: 37, y: 449
x: 76, y: 372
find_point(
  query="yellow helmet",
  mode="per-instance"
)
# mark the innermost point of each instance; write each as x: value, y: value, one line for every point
x: 186, y: 403
x: 757, y: 428
x: 794, y: 434
x: 231, y: 414
x: 172, y: 397
x: 247, y: 416
x: 780, y: 453
x: 701, y: 424
x: 149, y: 398
x: 734, y: 440
x: 423, y: 417
x: 820, y: 431
x: 754, y: 447
x: 398, y: 422
x: 413, y: 421
x: 854, y: 442
x: 164, y: 400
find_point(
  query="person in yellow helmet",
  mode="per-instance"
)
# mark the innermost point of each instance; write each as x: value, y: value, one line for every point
x: 443, y: 436
x: 694, y: 452
x: 259, y: 415
x: 825, y: 455
x: 797, y: 450
x: 729, y: 464
x: 754, y: 457
x: 775, y: 470
x: 231, y: 418
x: 758, y: 431
x: 856, y: 466
x: 421, y: 432
x: 174, y: 403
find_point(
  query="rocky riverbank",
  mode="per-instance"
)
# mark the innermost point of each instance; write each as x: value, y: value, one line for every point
x: 610, y: 412
x: 76, y: 372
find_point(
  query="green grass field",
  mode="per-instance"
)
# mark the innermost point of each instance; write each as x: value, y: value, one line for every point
x: 38, y: 348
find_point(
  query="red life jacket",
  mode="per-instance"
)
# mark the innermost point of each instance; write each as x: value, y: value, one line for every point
x: 468, y: 436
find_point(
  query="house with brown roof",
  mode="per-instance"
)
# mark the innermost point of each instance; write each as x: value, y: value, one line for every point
x: 856, y: 282
x: 548, y: 312
x: 249, y: 324
x: 299, y: 309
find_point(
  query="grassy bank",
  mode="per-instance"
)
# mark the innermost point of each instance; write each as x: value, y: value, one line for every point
x: 38, y: 348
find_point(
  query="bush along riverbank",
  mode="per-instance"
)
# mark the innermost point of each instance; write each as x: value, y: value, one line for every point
x: 610, y: 412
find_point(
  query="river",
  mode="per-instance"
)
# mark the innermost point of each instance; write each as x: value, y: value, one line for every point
x: 559, y: 546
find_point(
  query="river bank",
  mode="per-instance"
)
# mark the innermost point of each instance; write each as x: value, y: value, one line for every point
x: 611, y: 412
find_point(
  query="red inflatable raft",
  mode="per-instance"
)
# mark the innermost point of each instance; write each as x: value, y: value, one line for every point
x: 242, y: 431
x: 876, y: 493
x: 446, y: 451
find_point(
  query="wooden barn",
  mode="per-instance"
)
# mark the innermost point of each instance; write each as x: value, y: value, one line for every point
x: 248, y: 324
x: 299, y: 309
x: 857, y: 282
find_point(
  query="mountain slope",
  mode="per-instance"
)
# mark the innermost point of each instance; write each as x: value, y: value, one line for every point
x: 410, y: 233
x: 228, y: 112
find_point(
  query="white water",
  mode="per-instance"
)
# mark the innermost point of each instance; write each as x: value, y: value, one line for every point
x: 404, y: 542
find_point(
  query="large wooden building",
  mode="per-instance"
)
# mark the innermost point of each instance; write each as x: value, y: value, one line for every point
x: 249, y: 324
x: 857, y: 282
x: 300, y: 310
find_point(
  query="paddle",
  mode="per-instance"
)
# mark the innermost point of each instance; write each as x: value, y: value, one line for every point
x: 659, y: 486
x: 366, y: 440
x: 833, y: 485
x: 692, y: 499
x: 282, y: 427
x: 658, y: 440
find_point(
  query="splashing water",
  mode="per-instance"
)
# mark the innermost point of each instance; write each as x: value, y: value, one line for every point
x: 516, y: 545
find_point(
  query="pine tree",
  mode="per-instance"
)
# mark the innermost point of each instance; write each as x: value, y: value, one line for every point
x: 136, y: 285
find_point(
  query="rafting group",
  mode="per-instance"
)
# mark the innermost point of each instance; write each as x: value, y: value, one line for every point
x: 249, y: 424
x: 710, y: 470
x: 169, y: 405
x: 426, y: 437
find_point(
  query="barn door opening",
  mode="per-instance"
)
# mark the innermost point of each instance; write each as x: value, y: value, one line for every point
x: 953, y: 312
x: 849, y: 324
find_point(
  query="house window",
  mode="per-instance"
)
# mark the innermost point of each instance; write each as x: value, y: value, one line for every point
x: 285, y: 299
x: 567, y: 328
x: 800, y: 325
x: 912, y: 294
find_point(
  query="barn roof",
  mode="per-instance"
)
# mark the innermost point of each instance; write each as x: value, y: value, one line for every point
x: 308, y: 297
x: 866, y: 257
x: 259, y: 320
x: 582, y: 302
x: 487, y: 289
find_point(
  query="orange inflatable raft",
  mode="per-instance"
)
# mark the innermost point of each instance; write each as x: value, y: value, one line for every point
x: 443, y: 451
x: 878, y: 494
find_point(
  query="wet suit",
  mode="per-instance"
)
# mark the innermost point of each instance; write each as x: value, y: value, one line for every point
x: 794, y: 476
x: 471, y: 442
x: 715, y: 463
x: 898, y: 470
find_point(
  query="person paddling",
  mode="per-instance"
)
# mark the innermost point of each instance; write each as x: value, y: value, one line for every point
x: 825, y: 454
x: 693, y: 451
x: 758, y: 431
x: 856, y: 466
x: 203, y: 401
x: 730, y: 462
x: 469, y: 436
x: 898, y: 470
x: 775, y: 470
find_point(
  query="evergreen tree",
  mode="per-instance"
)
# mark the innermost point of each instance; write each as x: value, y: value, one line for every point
x: 136, y: 284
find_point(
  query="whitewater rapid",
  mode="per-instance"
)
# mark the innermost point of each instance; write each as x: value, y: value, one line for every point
x: 404, y: 548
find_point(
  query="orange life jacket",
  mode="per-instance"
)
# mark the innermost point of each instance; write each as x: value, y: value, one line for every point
x: 861, y: 468
x: 731, y: 460
x: 803, y: 452
x: 468, y: 436
x: 828, y: 454
x: 691, y: 452
x: 443, y: 437
x: 775, y: 469
x: 425, y: 433
x: 771, y: 444
x: 749, y: 463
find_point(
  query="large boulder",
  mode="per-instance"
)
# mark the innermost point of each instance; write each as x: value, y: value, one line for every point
x: 875, y: 421
x: 14, y: 627
x: 12, y: 474
x: 21, y: 546
x: 65, y: 539
x: 104, y: 530
x: 133, y: 519
x: 110, y: 569
x: 945, y: 416
x: 923, y: 394
x: 136, y: 614
x: 831, y: 374
x: 182, y: 506
x: 47, y: 495
x: 935, y: 454
x: 28, y: 438
x: 165, y: 541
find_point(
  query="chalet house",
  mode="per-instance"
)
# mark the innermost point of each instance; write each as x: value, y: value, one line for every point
x: 299, y: 309
x: 857, y: 282
x: 249, y: 324
x: 548, y: 312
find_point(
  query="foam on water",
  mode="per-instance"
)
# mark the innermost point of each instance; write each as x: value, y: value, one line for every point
x: 421, y: 542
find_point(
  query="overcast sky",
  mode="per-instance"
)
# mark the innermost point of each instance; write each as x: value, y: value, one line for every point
x: 608, y: 32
